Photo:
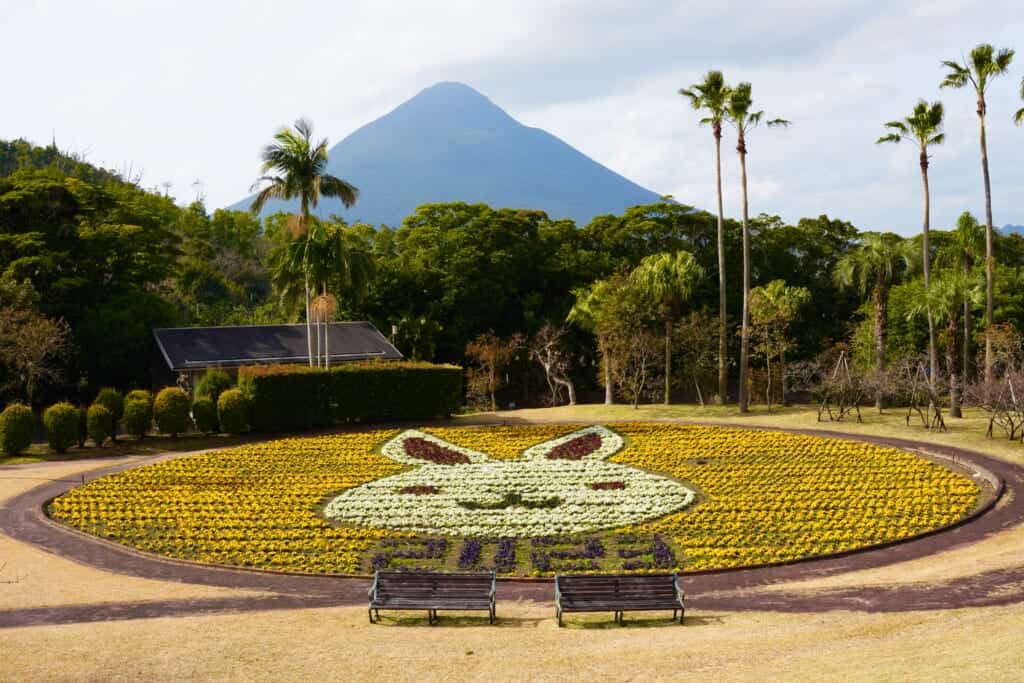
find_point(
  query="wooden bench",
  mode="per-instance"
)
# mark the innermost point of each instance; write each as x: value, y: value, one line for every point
x: 431, y: 591
x: 618, y: 593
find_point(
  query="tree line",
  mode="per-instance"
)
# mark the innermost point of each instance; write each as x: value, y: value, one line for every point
x: 637, y: 306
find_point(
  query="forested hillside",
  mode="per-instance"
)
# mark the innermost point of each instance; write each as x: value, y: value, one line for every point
x: 89, y: 263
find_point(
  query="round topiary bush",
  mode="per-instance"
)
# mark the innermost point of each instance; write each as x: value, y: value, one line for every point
x: 83, y: 426
x: 138, y: 395
x: 204, y: 414
x: 113, y: 401
x: 138, y: 416
x: 170, y: 410
x: 61, y: 422
x: 16, y: 425
x: 233, y: 411
x: 212, y: 384
x: 98, y: 421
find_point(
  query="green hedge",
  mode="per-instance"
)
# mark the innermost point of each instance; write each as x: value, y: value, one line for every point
x: 16, y: 426
x: 289, y: 397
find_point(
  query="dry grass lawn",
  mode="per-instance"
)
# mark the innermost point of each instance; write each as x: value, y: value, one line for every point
x: 338, y: 644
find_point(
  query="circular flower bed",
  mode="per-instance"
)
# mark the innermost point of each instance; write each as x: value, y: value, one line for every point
x: 523, y: 500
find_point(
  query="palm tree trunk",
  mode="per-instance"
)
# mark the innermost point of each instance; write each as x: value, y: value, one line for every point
x: 881, y: 313
x: 933, y: 364
x: 309, y: 324
x: 954, y: 378
x: 990, y: 276
x: 327, y: 336
x: 968, y: 328
x: 668, y: 361
x: 745, y: 329
x: 723, y: 346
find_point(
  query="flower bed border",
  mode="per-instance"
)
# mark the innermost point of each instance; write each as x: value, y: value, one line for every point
x: 919, y: 449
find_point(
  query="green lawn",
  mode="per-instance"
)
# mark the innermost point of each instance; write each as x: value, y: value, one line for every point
x: 126, y: 445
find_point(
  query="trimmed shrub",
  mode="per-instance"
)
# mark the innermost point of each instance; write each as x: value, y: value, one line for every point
x: 289, y: 397
x: 212, y: 384
x: 233, y: 411
x: 98, y: 421
x: 138, y: 415
x: 61, y: 422
x: 113, y: 401
x: 83, y: 426
x: 16, y: 426
x: 170, y: 410
x: 139, y: 395
x: 204, y: 414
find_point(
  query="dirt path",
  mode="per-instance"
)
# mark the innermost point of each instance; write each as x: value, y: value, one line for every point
x: 23, y: 519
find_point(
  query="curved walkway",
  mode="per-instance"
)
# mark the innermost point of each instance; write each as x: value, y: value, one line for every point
x: 23, y: 519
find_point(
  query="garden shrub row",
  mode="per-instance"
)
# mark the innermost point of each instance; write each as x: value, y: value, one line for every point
x: 288, y: 397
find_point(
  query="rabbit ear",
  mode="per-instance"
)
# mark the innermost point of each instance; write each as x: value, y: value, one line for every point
x: 590, y: 443
x: 413, y: 447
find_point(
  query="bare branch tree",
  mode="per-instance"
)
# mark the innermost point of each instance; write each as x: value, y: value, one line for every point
x: 548, y: 349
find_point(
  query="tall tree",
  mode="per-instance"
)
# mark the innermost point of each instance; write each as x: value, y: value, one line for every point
x: 923, y: 127
x: 773, y: 308
x: 983, y: 64
x: 712, y: 97
x: 962, y: 253
x: 874, y: 266
x: 300, y: 172
x: 668, y: 279
x: 952, y: 290
x: 590, y: 311
x: 739, y: 112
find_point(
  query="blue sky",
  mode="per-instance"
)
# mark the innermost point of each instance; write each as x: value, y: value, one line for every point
x: 189, y: 91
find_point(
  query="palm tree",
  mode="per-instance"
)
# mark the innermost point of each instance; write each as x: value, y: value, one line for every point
x: 773, y: 308
x: 300, y: 172
x: 588, y: 313
x: 326, y: 260
x: 738, y: 112
x: 874, y: 266
x: 668, y: 279
x: 951, y: 291
x: 924, y: 127
x: 962, y: 253
x: 712, y: 96
x: 984, y: 64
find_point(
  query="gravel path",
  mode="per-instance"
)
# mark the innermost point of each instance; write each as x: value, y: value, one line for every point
x: 22, y: 518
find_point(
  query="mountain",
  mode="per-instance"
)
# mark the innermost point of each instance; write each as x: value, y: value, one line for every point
x: 1007, y: 229
x: 450, y: 143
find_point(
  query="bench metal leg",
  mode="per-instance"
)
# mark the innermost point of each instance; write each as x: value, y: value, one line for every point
x: 371, y: 615
x: 682, y: 615
x: 493, y: 615
x: 559, y: 618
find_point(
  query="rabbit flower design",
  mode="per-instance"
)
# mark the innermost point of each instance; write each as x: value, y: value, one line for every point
x: 562, y: 486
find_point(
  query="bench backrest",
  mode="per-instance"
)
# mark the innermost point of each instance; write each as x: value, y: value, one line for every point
x: 617, y: 585
x: 433, y: 583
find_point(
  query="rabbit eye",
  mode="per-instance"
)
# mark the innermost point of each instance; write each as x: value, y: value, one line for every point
x: 420, y: 490
x: 422, y: 449
x: 577, y: 448
x: 608, y: 485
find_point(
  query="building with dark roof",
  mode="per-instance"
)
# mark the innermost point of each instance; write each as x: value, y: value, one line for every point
x: 184, y: 353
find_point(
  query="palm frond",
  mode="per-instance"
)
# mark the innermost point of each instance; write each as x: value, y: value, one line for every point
x: 891, y: 137
x: 782, y: 123
x: 331, y: 186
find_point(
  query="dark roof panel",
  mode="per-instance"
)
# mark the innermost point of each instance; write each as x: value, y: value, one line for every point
x: 190, y: 348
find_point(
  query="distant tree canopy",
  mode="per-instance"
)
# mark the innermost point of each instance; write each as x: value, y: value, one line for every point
x: 84, y: 248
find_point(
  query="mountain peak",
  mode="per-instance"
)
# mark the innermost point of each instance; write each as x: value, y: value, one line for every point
x: 452, y: 104
x: 451, y: 143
